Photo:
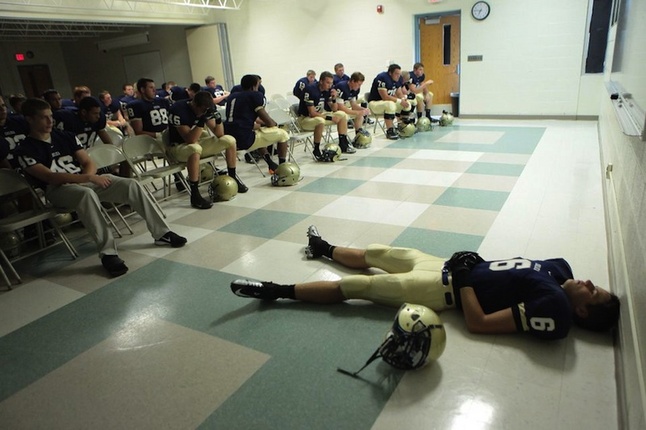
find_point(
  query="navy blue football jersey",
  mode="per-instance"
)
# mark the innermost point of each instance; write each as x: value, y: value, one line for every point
x: 237, y: 88
x: 68, y: 104
x: 58, y: 155
x: 85, y: 132
x: 14, y: 131
x: 124, y: 100
x: 217, y: 91
x: 313, y: 96
x: 4, y: 148
x: 383, y: 80
x: 178, y: 93
x: 242, y: 112
x: 182, y: 114
x: 301, y: 84
x: 343, y: 91
x: 336, y: 79
x: 531, y: 288
x: 415, y: 81
x: 111, y: 109
x: 153, y: 113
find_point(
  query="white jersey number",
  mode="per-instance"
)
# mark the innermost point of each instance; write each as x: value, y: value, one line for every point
x: 514, y: 263
x: 65, y: 164
x: 159, y: 117
x: 542, y: 324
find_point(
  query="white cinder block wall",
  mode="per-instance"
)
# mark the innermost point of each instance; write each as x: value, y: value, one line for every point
x: 533, y: 52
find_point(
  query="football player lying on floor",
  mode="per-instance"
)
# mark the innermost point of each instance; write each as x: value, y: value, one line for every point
x: 541, y: 297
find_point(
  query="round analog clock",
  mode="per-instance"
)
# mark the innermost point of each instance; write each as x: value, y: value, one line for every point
x: 480, y: 10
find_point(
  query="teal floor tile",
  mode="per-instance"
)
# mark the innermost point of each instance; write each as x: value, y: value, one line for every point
x: 496, y: 169
x: 264, y: 223
x: 473, y: 199
x: 336, y: 186
x: 438, y: 243
x: 383, y: 162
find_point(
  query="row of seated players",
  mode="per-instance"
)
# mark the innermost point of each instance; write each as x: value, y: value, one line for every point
x: 149, y: 114
x: 334, y: 98
x: 187, y: 138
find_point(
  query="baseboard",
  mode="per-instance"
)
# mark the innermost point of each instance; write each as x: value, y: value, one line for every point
x: 631, y: 384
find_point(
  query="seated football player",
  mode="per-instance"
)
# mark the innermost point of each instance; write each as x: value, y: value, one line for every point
x: 347, y: 101
x: 87, y: 122
x: 387, y: 98
x: 308, y: 79
x: 217, y: 92
x: 539, y: 297
x: 189, y: 141
x: 251, y: 125
x: 418, y: 85
x: 318, y: 109
x: 339, y: 74
x: 56, y: 162
x: 113, y: 115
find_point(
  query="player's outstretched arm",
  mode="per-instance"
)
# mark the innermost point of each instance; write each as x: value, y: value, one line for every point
x: 479, y: 322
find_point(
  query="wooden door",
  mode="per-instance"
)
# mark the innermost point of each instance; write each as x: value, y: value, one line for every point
x: 36, y: 79
x: 439, y: 41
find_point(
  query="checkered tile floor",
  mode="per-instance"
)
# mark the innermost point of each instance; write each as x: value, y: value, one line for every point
x: 167, y: 345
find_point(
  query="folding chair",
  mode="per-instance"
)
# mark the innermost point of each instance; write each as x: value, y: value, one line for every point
x: 106, y: 155
x: 327, y: 136
x: 379, y: 120
x: 14, y: 185
x: 296, y: 135
x: 208, y: 160
x: 142, y: 150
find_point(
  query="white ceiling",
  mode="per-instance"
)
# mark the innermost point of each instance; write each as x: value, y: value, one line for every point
x: 75, y: 19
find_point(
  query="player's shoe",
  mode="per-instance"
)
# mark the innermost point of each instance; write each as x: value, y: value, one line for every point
x: 253, y: 289
x: 313, y: 236
x: 391, y: 134
x: 348, y: 148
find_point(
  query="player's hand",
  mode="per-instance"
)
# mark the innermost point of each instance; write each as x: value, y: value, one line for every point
x: 101, y: 181
x: 405, y: 103
x: 333, y: 93
x: 464, y: 260
x: 429, y: 82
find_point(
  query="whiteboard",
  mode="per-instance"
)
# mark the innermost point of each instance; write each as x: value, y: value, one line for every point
x: 627, y: 76
x: 144, y: 65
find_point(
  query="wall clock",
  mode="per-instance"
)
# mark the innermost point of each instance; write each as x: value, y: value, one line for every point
x: 480, y: 10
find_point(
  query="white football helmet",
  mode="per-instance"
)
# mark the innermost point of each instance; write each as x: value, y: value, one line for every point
x: 63, y: 219
x: 331, y: 152
x: 223, y: 188
x: 416, y: 337
x: 446, y: 118
x: 286, y: 174
x: 10, y: 244
x: 407, y: 130
x: 363, y: 139
x: 424, y: 124
x: 206, y: 174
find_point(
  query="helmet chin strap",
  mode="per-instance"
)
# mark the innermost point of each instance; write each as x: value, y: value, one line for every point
x: 377, y: 354
x: 389, y: 343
